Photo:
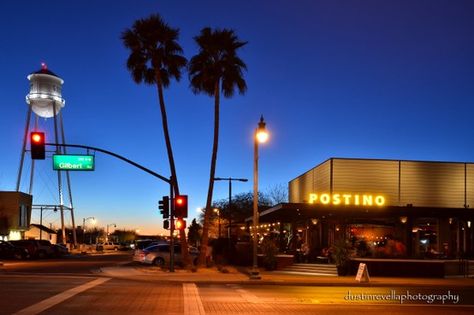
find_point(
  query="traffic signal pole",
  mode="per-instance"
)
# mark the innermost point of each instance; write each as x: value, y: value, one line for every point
x: 171, y: 225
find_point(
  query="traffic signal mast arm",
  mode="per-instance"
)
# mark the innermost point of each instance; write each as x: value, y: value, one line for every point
x: 167, y: 180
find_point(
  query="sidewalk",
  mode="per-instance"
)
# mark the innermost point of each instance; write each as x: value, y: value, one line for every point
x: 235, y: 276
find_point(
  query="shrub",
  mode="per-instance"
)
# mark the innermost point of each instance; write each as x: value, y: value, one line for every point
x: 269, y: 251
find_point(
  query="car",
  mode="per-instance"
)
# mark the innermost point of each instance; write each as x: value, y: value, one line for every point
x: 140, y: 245
x: 8, y: 250
x: 107, y: 246
x: 159, y: 255
x: 36, y: 248
x: 124, y: 246
x: 60, y: 250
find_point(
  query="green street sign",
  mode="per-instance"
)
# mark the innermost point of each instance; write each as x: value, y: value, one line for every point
x: 73, y: 162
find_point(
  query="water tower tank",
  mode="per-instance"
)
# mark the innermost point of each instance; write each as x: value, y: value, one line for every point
x: 45, y: 92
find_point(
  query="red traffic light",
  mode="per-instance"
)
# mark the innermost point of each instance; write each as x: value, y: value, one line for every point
x: 37, y: 140
x: 37, y: 137
x: 181, y: 206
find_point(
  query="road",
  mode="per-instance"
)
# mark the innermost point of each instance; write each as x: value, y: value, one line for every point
x: 73, y: 286
x: 70, y: 264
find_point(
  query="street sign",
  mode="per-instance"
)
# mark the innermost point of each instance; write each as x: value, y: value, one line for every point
x: 66, y: 162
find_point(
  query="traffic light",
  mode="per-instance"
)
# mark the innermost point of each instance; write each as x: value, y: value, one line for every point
x: 166, y: 224
x: 37, y: 145
x: 181, y: 206
x: 180, y: 224
x: 164, y: 206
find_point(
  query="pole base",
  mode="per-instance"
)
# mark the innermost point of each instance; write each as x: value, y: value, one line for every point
x: 255, y: 274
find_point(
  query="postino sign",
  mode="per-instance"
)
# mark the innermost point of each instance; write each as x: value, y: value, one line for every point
x: 347, y: 199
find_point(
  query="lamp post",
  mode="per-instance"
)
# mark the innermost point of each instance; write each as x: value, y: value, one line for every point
x: 84, y: 227
x: 261, y: 136
x: 107, y: 236
x: 230, y: 179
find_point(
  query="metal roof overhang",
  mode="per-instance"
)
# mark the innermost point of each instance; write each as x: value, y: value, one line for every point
x: 289, y: 212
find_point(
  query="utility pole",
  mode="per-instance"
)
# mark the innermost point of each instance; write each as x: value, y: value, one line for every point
x: 230, y: 179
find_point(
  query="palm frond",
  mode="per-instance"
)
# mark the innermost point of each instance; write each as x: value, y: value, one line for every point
x: 217, y: 61
x: 154, y: 50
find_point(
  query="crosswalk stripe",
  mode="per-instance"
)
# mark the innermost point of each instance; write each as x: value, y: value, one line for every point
x: 61, y: 297
x: 192, y: 300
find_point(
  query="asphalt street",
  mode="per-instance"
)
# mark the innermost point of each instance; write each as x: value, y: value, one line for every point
x: 74, y: 286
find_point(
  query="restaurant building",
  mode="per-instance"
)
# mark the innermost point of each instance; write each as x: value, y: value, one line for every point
x: 386, y: 208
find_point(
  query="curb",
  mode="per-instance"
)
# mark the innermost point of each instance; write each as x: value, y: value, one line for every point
x: 150, y: 276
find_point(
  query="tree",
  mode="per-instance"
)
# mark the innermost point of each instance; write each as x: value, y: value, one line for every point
x: 242, y: 205
x: 125, y: 235
x: 215, y: 69
x: 157, y: 58
x: 278, y: 194
x: 194, y: 233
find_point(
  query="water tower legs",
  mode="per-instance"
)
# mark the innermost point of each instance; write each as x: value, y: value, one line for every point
x: 23, y: 148
x: 58, y: 130
x: 60, y: 189
x: 68, y: 181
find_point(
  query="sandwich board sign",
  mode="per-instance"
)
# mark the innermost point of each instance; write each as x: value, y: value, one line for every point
x: 362, y: 273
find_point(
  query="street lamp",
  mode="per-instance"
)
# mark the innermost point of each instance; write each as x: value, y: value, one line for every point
x: 230, y: 179
x: 261, y: 136
x: 107, y: 236
x: 84, y: 227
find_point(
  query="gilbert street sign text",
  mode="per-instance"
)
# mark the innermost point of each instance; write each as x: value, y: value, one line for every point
x: 73, y: 162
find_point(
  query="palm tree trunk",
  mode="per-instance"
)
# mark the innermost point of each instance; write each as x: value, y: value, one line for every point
x: 208, y: 210
x: 164, y: 118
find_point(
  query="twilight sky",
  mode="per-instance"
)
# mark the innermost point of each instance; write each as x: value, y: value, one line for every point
x: 371, y: 79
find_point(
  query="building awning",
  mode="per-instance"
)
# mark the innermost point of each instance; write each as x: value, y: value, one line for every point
x: 290, y: 212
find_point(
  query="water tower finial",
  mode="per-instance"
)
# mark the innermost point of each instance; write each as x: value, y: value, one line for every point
x: 44, y: 66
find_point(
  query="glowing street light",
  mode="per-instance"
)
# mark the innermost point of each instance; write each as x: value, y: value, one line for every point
x: 261, y: 136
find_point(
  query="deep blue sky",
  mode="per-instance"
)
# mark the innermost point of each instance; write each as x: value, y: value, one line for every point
x: 374, y: 79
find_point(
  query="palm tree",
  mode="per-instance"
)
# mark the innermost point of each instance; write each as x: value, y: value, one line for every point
x: 215, y: 69
x: 156, y: 58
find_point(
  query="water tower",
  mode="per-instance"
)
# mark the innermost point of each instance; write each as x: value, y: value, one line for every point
x: 45, y: 101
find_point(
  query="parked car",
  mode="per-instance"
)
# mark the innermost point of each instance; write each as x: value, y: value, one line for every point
x: 140, y: 245
x: 60, y: 250
x: 107, y: 246
x: 8, y: 250
x: 159, y: 255
x: 36, y: 248
x: 125, y: 246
